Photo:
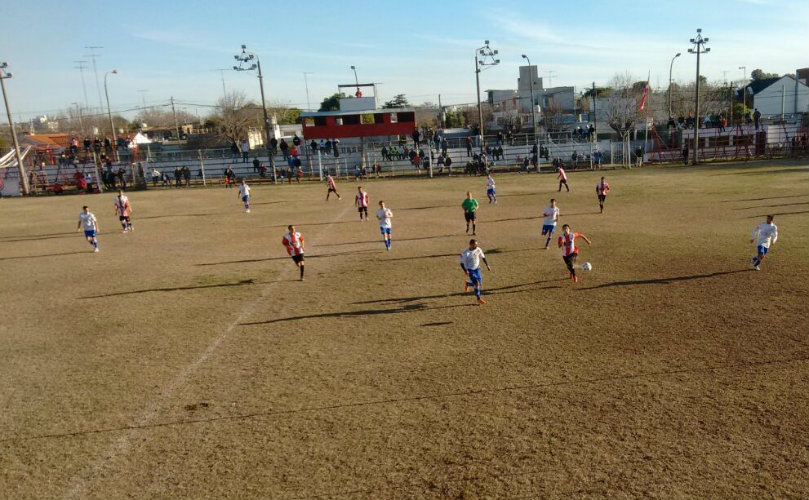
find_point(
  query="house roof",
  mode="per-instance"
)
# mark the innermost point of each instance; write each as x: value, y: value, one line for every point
x: 758, y: 85
x: 53, y: 140
x: 310, y: 114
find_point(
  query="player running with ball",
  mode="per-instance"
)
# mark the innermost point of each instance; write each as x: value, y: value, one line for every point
x: 470, y: 263
x: 570, y: 250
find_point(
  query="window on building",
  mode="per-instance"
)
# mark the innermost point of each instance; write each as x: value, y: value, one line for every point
x: 394, y: 117
x: 351, y: 120
x: 379, y: 117
x: 367, y: 118
x: 320, y: 121
x: 309, y: 122
x: 407, y: 117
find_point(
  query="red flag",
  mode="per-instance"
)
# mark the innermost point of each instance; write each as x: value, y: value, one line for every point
x: 646, y: 89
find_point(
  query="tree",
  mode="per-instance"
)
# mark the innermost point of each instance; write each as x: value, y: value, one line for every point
x: 332, y: 103
x: 623, y: 107
x: 398, y: 101
x: 454, y: 119
x: 757, y: 74
x: 237, y: 115
x: 163, y: 117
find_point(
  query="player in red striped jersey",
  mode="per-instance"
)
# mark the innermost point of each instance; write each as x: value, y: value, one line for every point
x: 602, y: 189
x: 570, y: 250
x: 361, y: 201
x: 332, y: 188
x: 293, y: 242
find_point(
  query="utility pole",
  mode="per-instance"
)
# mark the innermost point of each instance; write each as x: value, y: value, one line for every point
x: 82, y: 65
x: 730, y: 103
x: 5, y: 75
x: 744, y: 86
x: 783, y: 100
x: 595, y: 114
x: 533, y: 105
x: 486, y: 59
x: 441, y: 116
x: 550, y: 74
x: 109, y: 112
x: 176, y: 124
x: 698, y: 48
x: 81, y: 120
x: 306, y: 84
x: 93, y: 56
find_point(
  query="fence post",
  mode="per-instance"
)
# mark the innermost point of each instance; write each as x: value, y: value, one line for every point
x: 431, y: 163
x: 202, y: 167
x: 320, y: 165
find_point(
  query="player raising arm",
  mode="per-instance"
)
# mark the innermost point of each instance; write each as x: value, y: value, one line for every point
x: 764, y: 235
x: 88, y: 220
x: 570, y: 250
x: 293, y: 242
x: 470, y: 263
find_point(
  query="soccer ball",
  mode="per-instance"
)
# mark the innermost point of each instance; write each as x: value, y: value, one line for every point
x: 587, y: 266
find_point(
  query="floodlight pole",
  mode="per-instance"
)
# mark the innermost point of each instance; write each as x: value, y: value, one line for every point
x: 485, y: 52
x: 4, y: 75
x: 244, y: 57
x: 698, y: 48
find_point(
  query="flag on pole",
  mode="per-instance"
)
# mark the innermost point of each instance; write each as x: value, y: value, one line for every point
x: 646, y: 89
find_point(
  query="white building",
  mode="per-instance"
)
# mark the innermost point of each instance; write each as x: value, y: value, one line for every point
x: 775, y: 96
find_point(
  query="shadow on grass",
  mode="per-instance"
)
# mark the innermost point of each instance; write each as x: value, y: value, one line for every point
x: 35, y: 237
x: 663, y: 281
x: 780, y: 205
x: 776, y: 213
x: 170, y: 216
x: 43, y: 255
x: 493, y: 251
x: 768, y: 198
x: 438, y: 323
x: 395, y: 240
x: 173, y: 289
x: 286, y: 257
x: 521, y: 287
x: 366, y: 312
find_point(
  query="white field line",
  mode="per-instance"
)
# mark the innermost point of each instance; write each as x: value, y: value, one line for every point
x: 121, y: 446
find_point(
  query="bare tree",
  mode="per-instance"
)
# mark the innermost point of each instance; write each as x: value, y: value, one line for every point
x: 623, y: 108
x: 162, y: 117
x: 552, y: 117
x: 236, y: 116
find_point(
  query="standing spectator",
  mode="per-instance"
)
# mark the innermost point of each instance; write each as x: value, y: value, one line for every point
x: 707, y: 120
x: 155, y: 177
x: 187, y: 175
x: 756, y: 117
x: 747, y: 118
x: 416, y: 138
x: 122, y: 177
x: 229, y: 176
x: 234, y: 150
x: 256, y: 165
x: 468, y: 147
x: 273, y: 146
x: 86, y: 144
x: 313, y: 145
x: 284, y: 148
x: 178, y: 174
x: 444, y: 145
x: 107, y: 145
x: 245, y: 150
x: 335, y: 144
x: 296, y: 141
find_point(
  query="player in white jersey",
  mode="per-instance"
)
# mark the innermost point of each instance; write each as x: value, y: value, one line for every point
x: 244, y: 194
x: 293, y: 242
x: 470, y: 263
x: 123, y: 210
x: 90, y: 224
x: 490, y: 189
x: 384, y: 215
x: 550, y: 218
x: 764, y: 235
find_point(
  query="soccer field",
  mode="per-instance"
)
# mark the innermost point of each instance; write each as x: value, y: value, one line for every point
x: 186, y: 359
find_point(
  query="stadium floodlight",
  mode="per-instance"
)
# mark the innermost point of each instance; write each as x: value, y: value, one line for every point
x: 484, y: 56
x: 699, y: 48
x: 243, y: 58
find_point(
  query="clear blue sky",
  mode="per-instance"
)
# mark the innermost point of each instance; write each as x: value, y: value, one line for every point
x: 421, y: 49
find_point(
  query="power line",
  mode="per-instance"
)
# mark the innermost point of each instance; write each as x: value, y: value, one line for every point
x: 93, y: 56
